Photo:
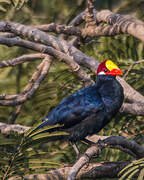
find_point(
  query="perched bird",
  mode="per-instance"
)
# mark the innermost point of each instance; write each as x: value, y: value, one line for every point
x: 89, y: 109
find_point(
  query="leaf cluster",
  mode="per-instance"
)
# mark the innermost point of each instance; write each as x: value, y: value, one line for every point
x: 134, y: 169
x: 25, y: 159
x: 5, y: 4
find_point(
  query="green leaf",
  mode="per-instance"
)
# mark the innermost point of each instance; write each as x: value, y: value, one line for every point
x: 2, y: 9
x: 132, y: 174
x: 19, y: 3
x: 141, y: 175
x: 131, y: 169
x: 2, y: 161
x: 7, y: 142
x: 4, y: 154
x: 5, y: 1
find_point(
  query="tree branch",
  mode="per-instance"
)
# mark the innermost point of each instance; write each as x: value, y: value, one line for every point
x: 31, y: 87
x: 8, y: 128
x: 60, y: 29
x: 92, y: 171
x: 21, y: 59
x: 114, y: 142
x: 131, y: 66
x: 122, y: 24
x: 133, y: 108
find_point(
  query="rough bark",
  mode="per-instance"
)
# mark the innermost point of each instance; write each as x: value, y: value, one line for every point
x: 90, y: 171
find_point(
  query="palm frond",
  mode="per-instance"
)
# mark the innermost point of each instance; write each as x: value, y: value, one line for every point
x: 24, y: 159
x: 136, y: 168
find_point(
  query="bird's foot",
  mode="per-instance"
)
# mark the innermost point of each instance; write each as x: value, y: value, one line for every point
x: 78, y: 153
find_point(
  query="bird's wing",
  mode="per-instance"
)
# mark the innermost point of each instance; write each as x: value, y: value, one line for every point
x: 75, y: 108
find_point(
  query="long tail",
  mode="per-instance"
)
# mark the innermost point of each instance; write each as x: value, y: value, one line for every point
x: 45, y: 127
x: 48, y: 130
x: 44, y: 131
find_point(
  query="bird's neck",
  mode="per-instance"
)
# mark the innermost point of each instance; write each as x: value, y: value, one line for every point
x: 110, y: 90
x: 104, y: 78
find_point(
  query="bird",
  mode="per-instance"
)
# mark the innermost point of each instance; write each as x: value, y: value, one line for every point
x: 90, y: 108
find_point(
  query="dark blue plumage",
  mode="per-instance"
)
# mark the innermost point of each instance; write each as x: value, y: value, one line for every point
x: 88, y: 110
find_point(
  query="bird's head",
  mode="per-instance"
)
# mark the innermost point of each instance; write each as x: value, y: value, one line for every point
x: 107, y: 67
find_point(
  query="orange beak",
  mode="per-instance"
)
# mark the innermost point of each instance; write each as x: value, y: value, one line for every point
x: 116, y: 72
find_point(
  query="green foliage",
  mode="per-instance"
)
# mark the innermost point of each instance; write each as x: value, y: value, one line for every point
x: 5, y: 4
x: 25, y: 159
x: 19, y: 3
x: 134, y: 169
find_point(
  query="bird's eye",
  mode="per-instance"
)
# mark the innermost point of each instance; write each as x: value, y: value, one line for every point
x: 105, y: 70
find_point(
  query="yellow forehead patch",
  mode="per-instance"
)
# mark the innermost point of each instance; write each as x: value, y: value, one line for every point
x: 110, y: 65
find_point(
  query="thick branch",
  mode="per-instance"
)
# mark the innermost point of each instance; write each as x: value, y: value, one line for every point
x: 92, y: 171
x: 133, y: 108
x: 121, y: 23
x: 116, y: 24
x: 120, y: 141
x: 60, y: 29
x: 130, y: 93
x: 114, y: 142
x: 78, y: 19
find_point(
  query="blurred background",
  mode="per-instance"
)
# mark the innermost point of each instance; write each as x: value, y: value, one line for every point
x: 60, y: 82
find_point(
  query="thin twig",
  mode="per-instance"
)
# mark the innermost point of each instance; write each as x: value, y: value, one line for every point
x: 131, y: 66
x: 14, y: 114
x: 47, y: 62
x: 21, y: 59
x: 32, y: 86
